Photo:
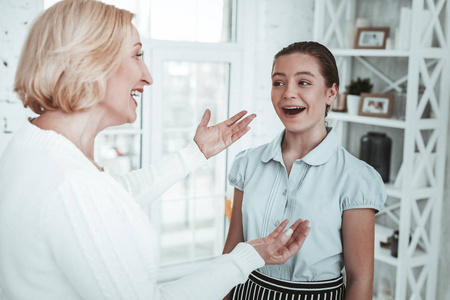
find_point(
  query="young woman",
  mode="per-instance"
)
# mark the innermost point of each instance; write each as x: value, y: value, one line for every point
x: 68, y: 229
x: 304, y: 173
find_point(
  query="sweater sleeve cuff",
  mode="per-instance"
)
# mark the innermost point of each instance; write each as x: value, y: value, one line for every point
x: 192, y: 157
x: 247, y: 257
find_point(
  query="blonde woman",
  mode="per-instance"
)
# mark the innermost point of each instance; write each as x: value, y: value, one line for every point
x: 68, y: 230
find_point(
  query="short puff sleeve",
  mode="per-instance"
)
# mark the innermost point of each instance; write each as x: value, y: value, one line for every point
x: 236, y: 177
x: 364, y: 188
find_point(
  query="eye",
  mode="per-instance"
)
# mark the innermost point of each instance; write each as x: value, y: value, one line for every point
x: 302, y: 82
x: 277, y: 83
x: 139, y: 55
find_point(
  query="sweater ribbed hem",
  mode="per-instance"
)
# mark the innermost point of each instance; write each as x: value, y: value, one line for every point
x: 247, y: 257
x: 192, y: 157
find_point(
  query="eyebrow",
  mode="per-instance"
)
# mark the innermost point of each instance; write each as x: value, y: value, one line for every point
x: 137, y: 44
x: 296, y: 74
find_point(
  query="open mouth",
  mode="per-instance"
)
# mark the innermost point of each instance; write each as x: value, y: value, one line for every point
x: 295, y: 110
x: 136, y: 95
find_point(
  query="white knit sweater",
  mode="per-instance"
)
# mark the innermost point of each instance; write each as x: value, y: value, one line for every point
x: 69, y: 231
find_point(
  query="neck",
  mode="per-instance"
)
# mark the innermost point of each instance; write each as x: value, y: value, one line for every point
x: 298, y: 144
x: 80, y: 128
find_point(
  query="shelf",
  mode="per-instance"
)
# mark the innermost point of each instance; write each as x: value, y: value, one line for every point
x: 424, y: 65
x: 393, y: 191
x: 426, y: 52
x: 396, y: 192
x: 434, y: 53
x: 340, y: 116
x: 420, y: 258
x: 423, y: 124
x: 382, y: 233
x: 427, y: 124
x: 370, y: 52
x: 384, y: 255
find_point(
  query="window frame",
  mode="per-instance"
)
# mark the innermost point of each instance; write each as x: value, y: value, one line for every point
x: 239, y: 56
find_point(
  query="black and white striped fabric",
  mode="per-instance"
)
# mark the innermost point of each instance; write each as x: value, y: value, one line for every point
x: 262, y: 287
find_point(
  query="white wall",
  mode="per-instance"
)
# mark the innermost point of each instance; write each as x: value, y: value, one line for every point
x: 276, y: 24
x: 15, y: 19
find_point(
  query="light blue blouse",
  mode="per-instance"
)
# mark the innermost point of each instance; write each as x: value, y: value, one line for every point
x: 321, y: 185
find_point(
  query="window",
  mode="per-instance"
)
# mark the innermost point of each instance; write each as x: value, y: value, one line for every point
x: 188, y: 79
x: 192, y: 20
x: 118, y: 148
x: 193, y: 69
x: 191, y: 218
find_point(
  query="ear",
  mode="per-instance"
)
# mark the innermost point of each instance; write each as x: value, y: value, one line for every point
x: 332, y: 94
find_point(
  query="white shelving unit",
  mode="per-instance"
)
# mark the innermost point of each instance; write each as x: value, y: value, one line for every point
x: 414, y: 204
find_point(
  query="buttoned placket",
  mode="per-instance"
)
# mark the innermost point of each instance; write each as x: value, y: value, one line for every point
x: 289, y: 187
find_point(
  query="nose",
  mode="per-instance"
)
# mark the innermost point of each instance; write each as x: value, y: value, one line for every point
x: 289, y: 91
x: 146, y: 76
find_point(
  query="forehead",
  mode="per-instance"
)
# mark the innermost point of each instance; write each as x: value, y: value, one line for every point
x: 135, y: 38
x: 297, y: 62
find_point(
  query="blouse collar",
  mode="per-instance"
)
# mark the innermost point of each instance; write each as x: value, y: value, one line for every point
x: 317, y: 156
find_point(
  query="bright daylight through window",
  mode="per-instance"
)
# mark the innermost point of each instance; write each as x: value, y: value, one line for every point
x: 191, y: 216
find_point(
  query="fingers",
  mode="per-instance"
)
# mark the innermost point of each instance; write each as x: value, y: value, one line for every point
x: 293, y: 243
x: 238, y: 134
x: 302, y: 231
x: 205, y: 118
x: 281, y: 245
x: 235, y: 118
x: 274, y: 234
x: 231, y: 121
x: 280, y: 237
x: 242, y: 127
x: 298, y: 237
x: 296, y: 224
x: 244, y: 123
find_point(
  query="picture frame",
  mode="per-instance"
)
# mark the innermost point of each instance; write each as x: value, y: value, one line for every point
x: 371, y: 37
x: 376, y: 105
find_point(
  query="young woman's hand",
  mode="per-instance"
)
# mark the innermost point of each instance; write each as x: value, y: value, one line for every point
x: 279, y: 246
x: 212, y: 140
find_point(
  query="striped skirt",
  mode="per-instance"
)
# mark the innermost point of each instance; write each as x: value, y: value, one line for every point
x: 260, y: 286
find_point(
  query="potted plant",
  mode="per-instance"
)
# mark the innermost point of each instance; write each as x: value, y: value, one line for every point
x: 354, y: 91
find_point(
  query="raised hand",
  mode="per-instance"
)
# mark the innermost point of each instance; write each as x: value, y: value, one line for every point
x: 212, y: 140
x: 279, y: 246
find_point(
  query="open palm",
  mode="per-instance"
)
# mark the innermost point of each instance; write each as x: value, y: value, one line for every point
x: 278, y: 247
x: 213, y: 139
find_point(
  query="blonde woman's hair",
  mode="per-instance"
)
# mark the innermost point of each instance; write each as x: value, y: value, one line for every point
x: 71, y: 49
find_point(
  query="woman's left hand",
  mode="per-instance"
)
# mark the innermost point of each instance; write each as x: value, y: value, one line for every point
x: 279, y: 246
x: 212, y: 140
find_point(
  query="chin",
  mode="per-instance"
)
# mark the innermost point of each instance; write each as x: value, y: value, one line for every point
x: 131, y: 116
x: 124, y: 120
x: 132, y: 119
x: 296, y: 128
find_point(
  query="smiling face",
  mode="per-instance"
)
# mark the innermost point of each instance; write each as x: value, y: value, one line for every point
x: 126, y: 84
x: 299, y: 93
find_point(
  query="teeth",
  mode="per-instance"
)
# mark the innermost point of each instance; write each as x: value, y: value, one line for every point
x: 293, y: 110
x: 135, y: 93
